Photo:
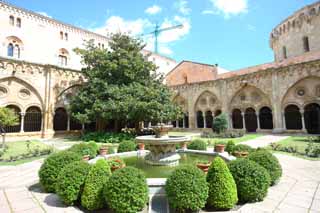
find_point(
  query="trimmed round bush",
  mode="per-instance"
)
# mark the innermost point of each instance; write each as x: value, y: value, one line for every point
x: 222, y: 187
x: 230, y: 146
x: 269, y: 162
x: 52, y: 166
x: 197, y: 144
x: 87, y: 148
x: 243, y: 148
x: 71, y: 180
x: 126, y: 146
x: 92, y: 197
x: 127, y: 190
x: 187, y: 189
x: 220, y: 123
x: 252, y: 180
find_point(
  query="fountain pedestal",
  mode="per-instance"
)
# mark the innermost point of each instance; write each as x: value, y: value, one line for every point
x: 162, y: 147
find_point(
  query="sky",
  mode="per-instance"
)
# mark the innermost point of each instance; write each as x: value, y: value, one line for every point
x: 231, y: 33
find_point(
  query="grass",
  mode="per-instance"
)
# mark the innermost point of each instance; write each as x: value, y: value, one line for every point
x: 20, y: 148
x: 300, y: 142
x: 18, y: 162
x: 246, y: 137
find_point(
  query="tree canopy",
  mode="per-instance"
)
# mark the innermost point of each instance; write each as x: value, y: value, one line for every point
x: 121, y: 85
x: 8, y: 117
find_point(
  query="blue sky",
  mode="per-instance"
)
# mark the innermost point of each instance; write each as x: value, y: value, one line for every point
x: 232, y: 33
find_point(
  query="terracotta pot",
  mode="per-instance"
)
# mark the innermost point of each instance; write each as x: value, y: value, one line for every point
x: 204, y: 166
x: 219, y: 148
x: 103, y: 150
x: 244, y: 154
x: 141, y: 146
x: 86, y: 157
x: 114, y: 168
x: 240, y: 154
x: 237, y: 154
x: 184, y: 146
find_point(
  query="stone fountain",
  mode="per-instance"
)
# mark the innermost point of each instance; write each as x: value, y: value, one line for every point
x: 162, y: 146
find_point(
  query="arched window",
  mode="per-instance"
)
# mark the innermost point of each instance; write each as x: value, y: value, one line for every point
x: 10, y: 50
x: 284, y: 52
x: 200, y: 120
x: 15, y: 128
x: 265, y: 118
x: 306, y: 46
x: 16, y: 51
x: 293, y: 117
x: 18, y: 22
x: 312, y: 118
x: 63, y: 57
x: 237, y: 122
x: 11, y: 20
x: 61, y: 35
x: 209, y: 119
x: 66, y: 36
x: 251, y: 120
x: 60, y: 120
x: 33, y: 119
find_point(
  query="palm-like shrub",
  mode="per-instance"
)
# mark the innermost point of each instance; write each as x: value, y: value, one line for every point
x: 87, y: 148
x: 222, y: 187
x: 197, y: 144
x: 252, y: 180
x: 126, y: 146
x: 92, y: 197
x: 127, y: 190
x: 186, y: 189
x: 269, y: 162
x: 71, y: 180
x: 52, y: 166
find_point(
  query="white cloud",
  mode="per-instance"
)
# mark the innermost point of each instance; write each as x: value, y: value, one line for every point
x: 228, y: 7
x: 116, y: 24
x: 175, y: 34
x: 155, y: 9
x: 44, y: 14
x: 182, y: 6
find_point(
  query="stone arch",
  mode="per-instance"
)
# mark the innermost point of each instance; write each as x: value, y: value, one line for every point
x: 183, y: 103
x: 63, y: 98
x: 17, y: 127
x: 312, y: 118
x: 305, y: 90
x: 249, y: 97
x: 16, y: 44
x: 266, y: 118
x: 237, y: 119
x: 293, y: 118
x: 60, y: 119
x: 33, y: 119
x: 21, y: 92
x: 250, y: 118
x: 207, y: 101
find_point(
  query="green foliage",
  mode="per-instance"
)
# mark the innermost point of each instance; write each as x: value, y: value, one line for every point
x: 107, y: 137
x: 243, y: 148
x: 230, y: 146
x: 116, y: 162
x: 220, y: 123
x: 70, y: 181
x: 252, y: 180
x: 127, y: 190
x: 234, y: 133
x: 126, y: 146
x: 121, y: 85
x: 8, y: 117
x: 284, y: 148
x: 90, y: 148
x: 187, y: 189
x: 52, y: 166
x: 92, y: 197
x: 197, y: 144
x: 222, y: 187
x: 313, y: 150
x: 269, y: 162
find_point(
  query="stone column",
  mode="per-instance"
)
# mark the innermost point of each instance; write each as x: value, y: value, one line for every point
x: 284, y: 121
x: 243, y: 121
x: 22, y: 121
x: 230, y: 121
x: 177, y: 124
x: 303, y: 121
x: 204, y: 120
x: 184, y: 122
x: 258, y: 121
x: 68, y: 124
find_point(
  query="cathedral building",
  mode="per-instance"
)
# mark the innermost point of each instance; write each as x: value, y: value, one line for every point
x: 39, y: 70
x: 281, y: 96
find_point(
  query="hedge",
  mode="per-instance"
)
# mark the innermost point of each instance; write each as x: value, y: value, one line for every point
x: 197, y: 144
x: 87, y: 148
x: 126, y: 146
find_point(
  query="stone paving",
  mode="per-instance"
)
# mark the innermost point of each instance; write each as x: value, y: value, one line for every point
x: 264, y: 141
x: 297, y: 191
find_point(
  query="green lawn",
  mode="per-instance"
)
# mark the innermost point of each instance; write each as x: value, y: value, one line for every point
x: 246, y: 137
x: 300, y: 143
x: 22, y: 150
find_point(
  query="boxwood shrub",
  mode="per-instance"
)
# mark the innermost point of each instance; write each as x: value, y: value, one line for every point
x: 52, y: 166
x: 252, y: 180
x: 269, y: 162
x: 243, y: 148
x: 87, y: 148
x: 222, y: 187
x: 187, y: 189
x: 230, y: 146
x: 71, y: 180
x: 127, y: 190
x: 197, y: 144
x: 127, y: 146
x: 92, y: 197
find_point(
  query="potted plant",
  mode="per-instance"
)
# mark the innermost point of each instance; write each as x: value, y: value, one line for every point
x: 86, y: 155
x: 219, y: 148
x: 103, y: 150
x: 204, y: 165
x: 116, y: 163
x: 141, y: 146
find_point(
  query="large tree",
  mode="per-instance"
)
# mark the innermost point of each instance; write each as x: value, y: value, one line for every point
x: 121, y: 85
